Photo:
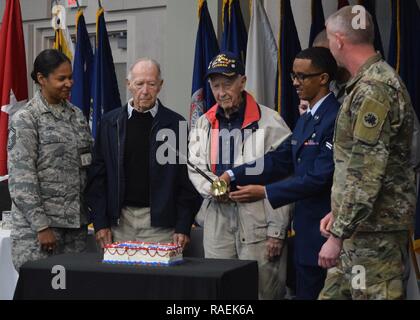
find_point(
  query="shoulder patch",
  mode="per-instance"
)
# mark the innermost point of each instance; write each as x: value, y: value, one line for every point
x: 370, y: 120
x: 12, y: 139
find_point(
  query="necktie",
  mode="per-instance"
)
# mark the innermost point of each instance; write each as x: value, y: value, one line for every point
x: 308, y: 118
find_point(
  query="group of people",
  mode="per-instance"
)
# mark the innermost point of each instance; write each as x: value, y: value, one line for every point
x: 342, y: 181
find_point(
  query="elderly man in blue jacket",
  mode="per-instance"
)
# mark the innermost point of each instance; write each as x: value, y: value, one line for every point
x: 132, y: 195
x: 307, y: 158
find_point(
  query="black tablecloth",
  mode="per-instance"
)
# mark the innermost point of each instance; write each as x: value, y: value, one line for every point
x: 88, y: 278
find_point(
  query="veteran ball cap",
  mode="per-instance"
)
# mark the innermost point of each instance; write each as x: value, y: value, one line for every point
x: 227, y: 64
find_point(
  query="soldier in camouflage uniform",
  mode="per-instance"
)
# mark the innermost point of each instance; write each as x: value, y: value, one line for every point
x: 49, y: 151
x: 373, y: 193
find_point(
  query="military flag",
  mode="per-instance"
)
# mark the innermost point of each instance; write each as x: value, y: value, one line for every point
x: 82, y: 67
x: 62, y: 40
x: 404, y: 46
x: 289, y: 47
x: 371, y: 8
x: 262, y: 55
x: 234, y: 36
x: 206, y: 48
x: 105, y: 87
x: 318, y: 20
x: 13, y: 81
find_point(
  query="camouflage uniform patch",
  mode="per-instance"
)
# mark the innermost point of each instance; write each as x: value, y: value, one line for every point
x: 370, y: 121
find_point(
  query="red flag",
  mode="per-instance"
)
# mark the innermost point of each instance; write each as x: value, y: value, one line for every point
x: 13, y: 81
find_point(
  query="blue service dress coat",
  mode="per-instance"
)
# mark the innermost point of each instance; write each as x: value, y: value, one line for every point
x: 306, y: 160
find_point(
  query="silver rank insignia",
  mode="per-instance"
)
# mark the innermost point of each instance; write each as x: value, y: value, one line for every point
x: 329, y: 145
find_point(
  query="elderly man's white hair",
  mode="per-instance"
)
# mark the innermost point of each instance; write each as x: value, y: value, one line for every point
x: 153, y: 61
x: 342, y: 22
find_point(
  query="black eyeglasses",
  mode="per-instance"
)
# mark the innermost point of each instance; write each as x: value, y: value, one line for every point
x: 302, y: 76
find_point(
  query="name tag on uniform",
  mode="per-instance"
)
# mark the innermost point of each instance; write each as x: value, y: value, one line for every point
x: 85, y: 157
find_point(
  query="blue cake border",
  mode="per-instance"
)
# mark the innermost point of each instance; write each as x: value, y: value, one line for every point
x: 143, y: 263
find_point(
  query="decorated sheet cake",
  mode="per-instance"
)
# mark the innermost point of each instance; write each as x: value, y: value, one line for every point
x: 135, y: 252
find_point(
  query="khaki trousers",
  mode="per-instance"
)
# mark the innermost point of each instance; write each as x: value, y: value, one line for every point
x: 135, y: 225
x: 221, y: 238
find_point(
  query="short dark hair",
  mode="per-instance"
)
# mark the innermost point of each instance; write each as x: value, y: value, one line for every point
x: 47, y: 61
x: 321, y: 58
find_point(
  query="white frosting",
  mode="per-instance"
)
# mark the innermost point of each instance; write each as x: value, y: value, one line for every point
x: 132, y: 252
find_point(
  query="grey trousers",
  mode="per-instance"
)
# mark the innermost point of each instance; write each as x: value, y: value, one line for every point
x: 26, y: 247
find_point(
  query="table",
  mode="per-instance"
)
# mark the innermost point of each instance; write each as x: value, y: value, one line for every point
x: 8, y: 274
x: 88, y: 278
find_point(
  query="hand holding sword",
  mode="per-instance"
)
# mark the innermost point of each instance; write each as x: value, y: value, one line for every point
x: 219, y: 188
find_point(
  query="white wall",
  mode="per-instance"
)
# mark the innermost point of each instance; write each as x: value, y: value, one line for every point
x: 179, y: 48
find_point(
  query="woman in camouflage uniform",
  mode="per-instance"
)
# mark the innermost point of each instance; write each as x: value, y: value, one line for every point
x: 49, y: 152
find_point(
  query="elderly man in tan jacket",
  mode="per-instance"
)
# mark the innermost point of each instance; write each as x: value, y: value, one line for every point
x: 237, y: 130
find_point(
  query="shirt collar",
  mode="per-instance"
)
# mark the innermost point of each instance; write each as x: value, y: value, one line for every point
x: 130, y: 108
x: 59, y: 110
x: 220, y: 113
x: 316, y: 106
